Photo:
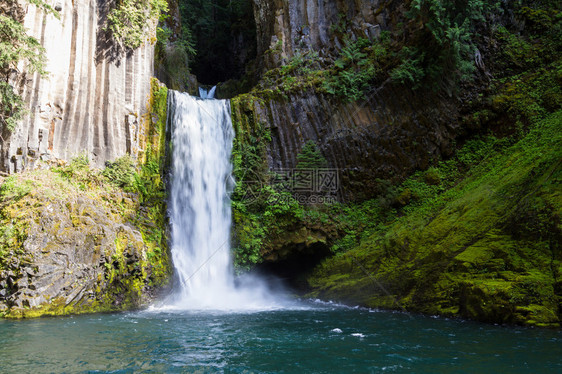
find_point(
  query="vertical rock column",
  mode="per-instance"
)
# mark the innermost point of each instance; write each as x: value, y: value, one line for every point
x: 93, y: 98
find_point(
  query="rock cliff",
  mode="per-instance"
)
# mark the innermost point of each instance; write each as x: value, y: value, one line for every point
x: 66, y: 250
x: 76, y: 239
x: 438, y: 171
x: 93, y: 97
x: 385, y: 135
x: 306, y: 24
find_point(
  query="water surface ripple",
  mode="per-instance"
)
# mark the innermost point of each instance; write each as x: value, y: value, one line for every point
x: 321, y: 338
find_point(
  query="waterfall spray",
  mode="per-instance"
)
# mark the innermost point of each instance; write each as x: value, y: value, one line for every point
x: 200, y: 210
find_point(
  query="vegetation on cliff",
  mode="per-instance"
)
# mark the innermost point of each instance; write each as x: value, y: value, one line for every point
x: 432, y: 45
x: 78, y: 240
x: 488, y: 248
x: 16, y: 46
x: 73, y: 242
x: 475, y: 235
x: 133, y: 22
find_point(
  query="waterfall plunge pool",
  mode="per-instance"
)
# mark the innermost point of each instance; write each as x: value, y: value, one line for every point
x: 210, y: 324
x: 313, y: 338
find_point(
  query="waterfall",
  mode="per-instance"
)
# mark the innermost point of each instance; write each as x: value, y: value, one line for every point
x: 200, y: 210
x: 207, y: 94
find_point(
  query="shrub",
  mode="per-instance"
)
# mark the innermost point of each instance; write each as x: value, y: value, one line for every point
x: 132, y: 21
x: 442, y: 47
x: 13, y: 189
x: 121, y: 172
x: 354, y: 71
x: 310, y: 157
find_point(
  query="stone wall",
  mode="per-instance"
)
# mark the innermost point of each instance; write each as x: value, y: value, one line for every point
x: 93, y: 98
x: 389, y: 133
x: 309, y: 24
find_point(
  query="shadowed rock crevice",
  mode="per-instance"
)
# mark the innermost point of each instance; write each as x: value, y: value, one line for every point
x: 224, y: 32
x: 297, y: 264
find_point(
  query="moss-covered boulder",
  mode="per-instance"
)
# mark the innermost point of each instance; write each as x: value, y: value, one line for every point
x: 70, y: 248
x: 489, y: 249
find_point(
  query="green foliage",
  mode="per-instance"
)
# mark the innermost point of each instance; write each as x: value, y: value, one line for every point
x: 261, y: 210
x: 149, y: 181
x: 528, y: 86
x: 173, y: 55
x: 354, y: 71
x: 258, y: 220
x: 76, y: 189
x: 486, y: 247
x: 442, y: 47
x: 17, y: 46
x: 483, y: 225
x: 300, y: 72
x: 411, y: 69
x: 78, y: 171
x: 121, y: 172
x: 310, y: 157
x: 13, y: 189
x: 359, y: 64
x: 359, y: 221
x: 250, y: 143
x: 187, y: 42
x: 11, y: 240
x: 341, y: 25
x: 163, y: 34
x: 22, y: 215
x: 12, y: 107
x: 132, y: 21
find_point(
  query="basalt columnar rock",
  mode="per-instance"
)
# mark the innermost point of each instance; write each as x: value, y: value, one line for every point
x: 93, y: 97
x: 456, y: 251
x: 305, y: 24
x: 386, y: 136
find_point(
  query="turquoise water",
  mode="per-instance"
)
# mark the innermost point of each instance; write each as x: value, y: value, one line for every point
x: 319, y: 338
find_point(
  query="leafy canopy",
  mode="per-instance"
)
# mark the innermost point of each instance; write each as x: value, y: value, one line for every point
x: 442, y: 47
x: 132, y: 21
x: 17, y: 46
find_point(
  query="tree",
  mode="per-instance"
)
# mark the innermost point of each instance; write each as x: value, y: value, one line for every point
x: 132, y: 21
x: 310, y: 157
x: 17, y: 46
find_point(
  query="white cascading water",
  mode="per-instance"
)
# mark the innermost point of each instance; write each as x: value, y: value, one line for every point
x: 200, y: 210
x: 207, y: 94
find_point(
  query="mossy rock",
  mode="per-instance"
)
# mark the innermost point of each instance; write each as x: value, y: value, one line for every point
x: 70, y: 251
x: 488, y: 249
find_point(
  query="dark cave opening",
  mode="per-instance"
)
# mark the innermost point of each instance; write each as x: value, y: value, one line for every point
x: 295, y: 268
x: 223, y: 33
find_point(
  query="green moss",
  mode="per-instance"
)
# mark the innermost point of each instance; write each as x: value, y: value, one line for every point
x: 486, y: 248
x: 481, y: 225
x: 12, y: 189
x: 133, y: 266
x: 150, y: 184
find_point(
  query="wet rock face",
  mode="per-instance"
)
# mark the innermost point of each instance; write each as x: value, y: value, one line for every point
x: 307, y: 24
x: 92, y: 99
x: 74, y: 254
x: 386, y: 136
